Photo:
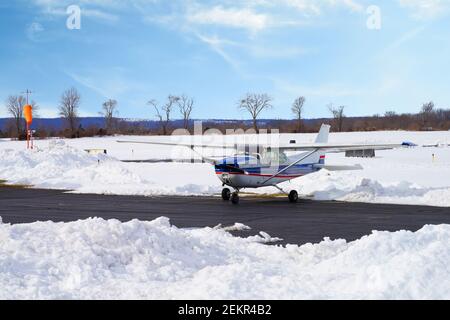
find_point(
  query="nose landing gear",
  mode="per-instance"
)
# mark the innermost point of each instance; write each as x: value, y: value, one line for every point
x: 235, y: 198
x: 226, y: 194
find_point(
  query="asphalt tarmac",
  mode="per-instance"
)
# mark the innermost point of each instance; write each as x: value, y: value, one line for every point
x: 305, y: 222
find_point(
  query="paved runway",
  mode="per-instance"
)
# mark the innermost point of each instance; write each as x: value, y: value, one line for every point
x: 307, y: 221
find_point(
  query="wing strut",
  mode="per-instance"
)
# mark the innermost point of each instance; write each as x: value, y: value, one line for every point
x: 290, y: 166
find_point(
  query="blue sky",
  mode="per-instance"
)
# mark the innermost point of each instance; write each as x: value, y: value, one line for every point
x: 216, y: 51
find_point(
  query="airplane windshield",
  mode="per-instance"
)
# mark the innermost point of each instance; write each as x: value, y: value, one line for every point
x: 273, y: 157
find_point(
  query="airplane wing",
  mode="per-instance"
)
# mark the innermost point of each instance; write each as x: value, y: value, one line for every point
x: 187, y: 145
x: 320, y: 144
x: 335, y: 148
x: 329, y: 148
x: 181, y: 144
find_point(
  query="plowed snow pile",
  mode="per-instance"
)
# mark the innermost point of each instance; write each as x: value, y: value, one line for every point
x: 95, y: 259
x: 63, y: 167
x: 354, y: 188
x: 384, y: 179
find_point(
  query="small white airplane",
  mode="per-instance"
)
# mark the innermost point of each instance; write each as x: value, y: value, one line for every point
x: 261, y: 165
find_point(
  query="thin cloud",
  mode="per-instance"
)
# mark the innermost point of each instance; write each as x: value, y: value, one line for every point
x: 317, y: 7
x: 407, y: 37
x: 107, y: 83
x: 252, y: 16
x: 34, y: 31
x: 98, y: 14
x: 426, y: 9
x: 95, y: 9
x: 244, y: 18
x: 217, y: 45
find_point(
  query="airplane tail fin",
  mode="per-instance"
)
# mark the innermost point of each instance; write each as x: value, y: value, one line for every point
x: 324, y: 132
x: 322, y: 137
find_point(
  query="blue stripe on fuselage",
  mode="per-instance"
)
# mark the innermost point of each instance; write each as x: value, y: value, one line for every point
x: 297, y: 169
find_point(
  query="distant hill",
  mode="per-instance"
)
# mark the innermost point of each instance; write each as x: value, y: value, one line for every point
x: 86, y: 122
x: 58, y: 123
x: 438, y: 120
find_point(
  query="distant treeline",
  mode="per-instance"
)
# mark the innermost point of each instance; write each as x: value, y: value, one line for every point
x: 71, y: 125
x: 96, y: 126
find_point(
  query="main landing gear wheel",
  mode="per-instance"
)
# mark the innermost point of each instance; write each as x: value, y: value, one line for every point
x: 226, y: 194
x: 235, y: 198
x: 293, y: 196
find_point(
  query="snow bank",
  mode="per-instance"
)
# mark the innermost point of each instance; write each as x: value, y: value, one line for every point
x: 349, y: 187
x: 98, y: 259
x: 59, y: 166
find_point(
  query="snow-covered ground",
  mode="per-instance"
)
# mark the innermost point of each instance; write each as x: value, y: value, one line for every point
x: 98, y: 259
x: 404, y: 176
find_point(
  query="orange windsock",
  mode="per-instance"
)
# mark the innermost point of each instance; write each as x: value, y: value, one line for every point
x: 28, y: 113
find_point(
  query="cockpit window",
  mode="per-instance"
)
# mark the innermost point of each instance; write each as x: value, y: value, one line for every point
x: 273, y: 157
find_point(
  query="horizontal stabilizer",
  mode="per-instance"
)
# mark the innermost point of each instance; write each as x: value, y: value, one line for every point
x: 340, y: 168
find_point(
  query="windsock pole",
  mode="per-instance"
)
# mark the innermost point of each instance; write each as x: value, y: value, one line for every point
x: 28, y: 115
x: 28, y: 136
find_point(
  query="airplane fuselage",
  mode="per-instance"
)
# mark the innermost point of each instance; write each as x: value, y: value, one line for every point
x: 239, y: 174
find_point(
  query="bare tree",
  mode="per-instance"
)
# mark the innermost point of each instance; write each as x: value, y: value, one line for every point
x: 109, y: 110
x: 163, y: 112
x: 390, y: 114
x: 68, y: 108
x: 255, y: 104
x: 14, y: 106
x: 428, y: 107
x: 338, y: 115
x: 427, y: 112
x: 297, y: 110
x: 186, y: 105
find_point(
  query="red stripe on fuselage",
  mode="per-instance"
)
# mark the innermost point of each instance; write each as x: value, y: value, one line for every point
x: 258, y: 175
